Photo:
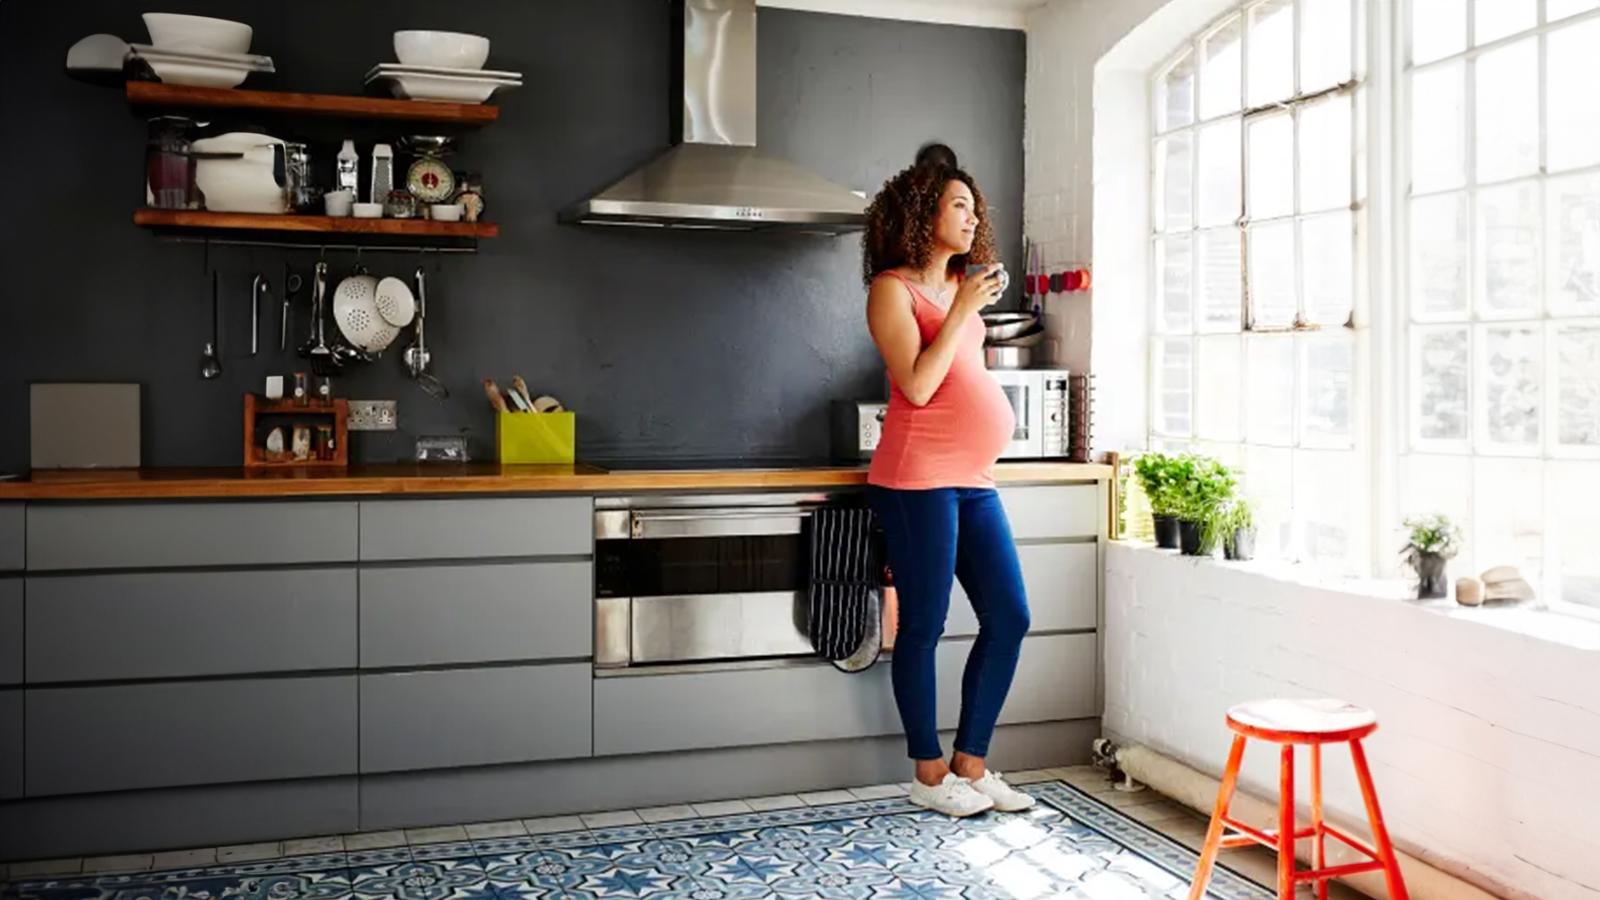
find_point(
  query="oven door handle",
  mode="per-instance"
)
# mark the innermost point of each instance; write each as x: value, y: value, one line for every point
x: 716, y: 523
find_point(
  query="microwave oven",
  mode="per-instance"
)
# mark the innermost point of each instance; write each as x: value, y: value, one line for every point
x: 1038, y: 400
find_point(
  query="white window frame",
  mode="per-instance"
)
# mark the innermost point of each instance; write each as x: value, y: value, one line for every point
x: 1358, y: 88
x: 1401, y: 316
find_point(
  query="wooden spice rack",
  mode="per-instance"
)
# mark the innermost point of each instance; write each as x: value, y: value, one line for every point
x: 338, y: 411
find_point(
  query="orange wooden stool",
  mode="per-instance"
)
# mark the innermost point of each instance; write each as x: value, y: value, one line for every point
x: 1314, y: 723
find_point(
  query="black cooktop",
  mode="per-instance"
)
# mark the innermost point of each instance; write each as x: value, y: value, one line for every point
x: 691, y: 464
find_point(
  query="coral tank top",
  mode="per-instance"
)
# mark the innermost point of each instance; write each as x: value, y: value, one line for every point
x: 953, y: 440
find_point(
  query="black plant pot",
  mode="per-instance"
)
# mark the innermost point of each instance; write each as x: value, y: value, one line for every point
x: 1190, y: 539
x: 1166, y: 531
x: 1243, y: 546
x: 1431, y: 582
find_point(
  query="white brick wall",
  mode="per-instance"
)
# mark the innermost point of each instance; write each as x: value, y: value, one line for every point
x: 1487, y: 759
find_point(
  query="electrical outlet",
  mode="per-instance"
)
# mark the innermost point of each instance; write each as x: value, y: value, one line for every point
x: 373, y: 415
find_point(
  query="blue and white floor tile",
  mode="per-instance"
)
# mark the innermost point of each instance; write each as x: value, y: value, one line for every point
x: 1070, y: 846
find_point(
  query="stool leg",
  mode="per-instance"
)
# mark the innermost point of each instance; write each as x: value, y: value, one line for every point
x: 1213, y: 845
x: 1380, y: 834
x: 1286, y: 824
x: 1319, y: 848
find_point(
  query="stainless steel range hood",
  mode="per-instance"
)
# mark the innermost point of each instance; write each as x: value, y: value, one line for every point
x: 715, y: 178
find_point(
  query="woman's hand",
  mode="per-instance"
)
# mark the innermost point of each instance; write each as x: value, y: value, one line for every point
x: 979, y: 291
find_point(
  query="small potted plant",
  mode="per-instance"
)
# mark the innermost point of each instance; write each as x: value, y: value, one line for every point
x: 1434, y: 540
x: 1238, y: 527
x: 1204, y: 491
x: 1157, y: 473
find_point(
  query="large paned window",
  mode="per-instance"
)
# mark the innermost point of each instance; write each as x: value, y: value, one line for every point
x: 1500, y: 146
x: 1258, y: 311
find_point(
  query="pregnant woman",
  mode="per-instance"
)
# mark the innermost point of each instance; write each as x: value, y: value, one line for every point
x: 932, y: 475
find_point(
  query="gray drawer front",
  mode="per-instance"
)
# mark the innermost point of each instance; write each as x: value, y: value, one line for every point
x: 11, y: 630
x: 1062, y: 581
x: 1055, y: 680
x: 466, y: 529
x: 649, y: 713
x: 652, y: 713
x: 10, y: 743
x: 12, y: 540
x: 184, y: 624
x: 471, y: 717
x: 1054, y: 511
x: 111, y: 738
x: 156, y: 535
x: 429, y: 615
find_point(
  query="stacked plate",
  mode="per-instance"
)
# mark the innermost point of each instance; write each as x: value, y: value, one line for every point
x: 223, y: 70
x: 448, y: 85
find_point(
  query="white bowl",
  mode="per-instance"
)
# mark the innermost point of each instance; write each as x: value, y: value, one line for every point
x: 445, y: 212
x: 450, y: 49
x: 180, y: 32
x: 338, y: 203
x: 367, y: 211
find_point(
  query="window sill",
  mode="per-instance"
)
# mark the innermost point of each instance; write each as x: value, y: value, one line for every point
x: 1577, y: 629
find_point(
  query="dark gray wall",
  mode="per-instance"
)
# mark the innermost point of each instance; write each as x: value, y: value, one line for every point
x: 668, y: 344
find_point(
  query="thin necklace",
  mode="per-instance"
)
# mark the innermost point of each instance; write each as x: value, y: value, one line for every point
x: 938, y: 292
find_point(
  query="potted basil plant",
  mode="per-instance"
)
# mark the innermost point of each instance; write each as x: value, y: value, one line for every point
x: 1205, y: 489
x: 1157, y: 474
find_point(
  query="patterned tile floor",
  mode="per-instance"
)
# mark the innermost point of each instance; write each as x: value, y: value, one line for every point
x: 1077, y: 843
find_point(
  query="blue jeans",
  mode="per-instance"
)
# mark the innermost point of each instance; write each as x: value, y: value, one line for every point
x: 932, y: 537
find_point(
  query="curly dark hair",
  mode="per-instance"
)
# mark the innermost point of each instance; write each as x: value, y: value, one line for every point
x: 901, y: 219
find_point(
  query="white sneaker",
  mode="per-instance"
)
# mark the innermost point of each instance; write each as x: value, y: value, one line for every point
x: 1006, y: 798
x: 953, y: 796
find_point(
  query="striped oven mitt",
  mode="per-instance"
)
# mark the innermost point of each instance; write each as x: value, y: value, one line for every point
x: 844, y: 598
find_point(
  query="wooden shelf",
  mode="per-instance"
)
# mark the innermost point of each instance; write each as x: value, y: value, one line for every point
x: 178, y: 96
x: 203, y: 219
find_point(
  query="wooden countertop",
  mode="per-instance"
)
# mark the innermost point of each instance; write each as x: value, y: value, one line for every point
x: 470, y: 478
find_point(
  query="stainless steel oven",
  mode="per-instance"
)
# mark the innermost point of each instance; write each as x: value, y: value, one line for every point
x: 703, y: 578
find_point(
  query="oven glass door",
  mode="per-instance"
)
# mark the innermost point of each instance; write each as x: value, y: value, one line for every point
x: 702, y: 585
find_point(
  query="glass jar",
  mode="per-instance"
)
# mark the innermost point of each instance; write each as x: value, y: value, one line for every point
x: 169, y: 167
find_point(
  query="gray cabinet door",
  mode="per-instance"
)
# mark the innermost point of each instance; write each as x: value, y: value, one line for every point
x: 120, y: 737
x: 473, y: 717
x: 184, y: 624
x: 12, y: 540
x: 477, y: 528
x: 431, y: 615
x: 164, y: 535
x: 11, y: 618
x: 1062, y: 581
x: 1054, y: 511
x: 732, y: 708
x: 10, y: 743
x: 1055, y: 680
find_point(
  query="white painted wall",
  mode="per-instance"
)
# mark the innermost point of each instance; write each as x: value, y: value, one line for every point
x: 1487, y: 759
x: 1086, y: 184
